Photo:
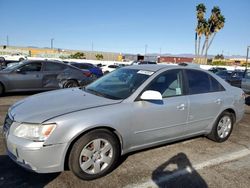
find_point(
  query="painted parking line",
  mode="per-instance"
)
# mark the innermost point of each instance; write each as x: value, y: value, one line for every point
x: 213, y: 162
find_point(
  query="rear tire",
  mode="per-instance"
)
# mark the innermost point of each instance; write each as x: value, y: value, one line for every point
x: 70, y: 84
x: 94, y: 155
x: 1, y: 89
x: 223, y: 127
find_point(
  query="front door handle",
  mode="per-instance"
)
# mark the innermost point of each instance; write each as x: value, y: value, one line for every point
x: 181, y: 107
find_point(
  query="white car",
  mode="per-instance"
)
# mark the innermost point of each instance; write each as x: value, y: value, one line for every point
x: 13, y: 57
x: 109, y: 68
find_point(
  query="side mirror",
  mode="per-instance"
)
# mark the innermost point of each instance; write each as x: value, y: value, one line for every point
x: 151, y: 95
x: 247, y: 101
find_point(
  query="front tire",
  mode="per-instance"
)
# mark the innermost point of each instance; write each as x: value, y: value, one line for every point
x: 223, y: 127
x: 94, y: 155
x: 70, y: 84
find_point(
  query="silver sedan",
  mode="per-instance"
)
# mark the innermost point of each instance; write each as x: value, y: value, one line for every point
x: 132, y: 108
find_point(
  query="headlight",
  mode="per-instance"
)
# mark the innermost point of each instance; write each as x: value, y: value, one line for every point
x: 36, y: 132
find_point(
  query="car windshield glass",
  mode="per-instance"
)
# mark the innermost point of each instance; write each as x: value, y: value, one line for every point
x: 14, y: 66
x: 118, y: 84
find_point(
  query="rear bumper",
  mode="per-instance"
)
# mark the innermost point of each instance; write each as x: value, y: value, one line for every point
x: 34, y: 156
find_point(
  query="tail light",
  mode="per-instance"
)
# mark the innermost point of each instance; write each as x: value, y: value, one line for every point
x: 87, y: 74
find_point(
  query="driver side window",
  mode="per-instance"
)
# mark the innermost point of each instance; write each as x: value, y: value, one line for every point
x: 168, y: 83
x: 31, y: 67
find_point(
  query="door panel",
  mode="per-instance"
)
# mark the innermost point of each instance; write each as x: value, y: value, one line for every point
x: 205, y: 96
x: 50, y: 72
x: 157, y: 121
x: 27, y: 77
x: 203, y: 108
x: 154, y: 122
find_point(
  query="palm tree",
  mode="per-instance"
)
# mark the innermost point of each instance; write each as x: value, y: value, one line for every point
x: 208, y: 28
x: 217, y: 23
x: 200, y: 12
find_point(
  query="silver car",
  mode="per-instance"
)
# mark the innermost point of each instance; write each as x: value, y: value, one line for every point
x: 136, y: 107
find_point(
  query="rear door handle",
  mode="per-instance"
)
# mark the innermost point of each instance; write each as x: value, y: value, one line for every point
x: 181, y: 107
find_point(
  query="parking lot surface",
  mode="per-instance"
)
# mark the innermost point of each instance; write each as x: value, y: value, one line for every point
x: 196, y: 162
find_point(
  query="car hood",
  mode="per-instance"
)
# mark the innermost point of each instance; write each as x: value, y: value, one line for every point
x: 41, y: 107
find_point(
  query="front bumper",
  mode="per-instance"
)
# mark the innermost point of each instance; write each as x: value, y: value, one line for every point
x: 35, y: 156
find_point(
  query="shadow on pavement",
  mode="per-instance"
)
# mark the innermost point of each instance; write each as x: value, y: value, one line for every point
x: 178, y: 172
x: 11, y: 175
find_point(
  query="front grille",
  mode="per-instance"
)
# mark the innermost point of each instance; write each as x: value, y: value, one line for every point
x: 7, y: 124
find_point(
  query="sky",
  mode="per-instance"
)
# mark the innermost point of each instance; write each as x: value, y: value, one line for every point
x: 164, y: 26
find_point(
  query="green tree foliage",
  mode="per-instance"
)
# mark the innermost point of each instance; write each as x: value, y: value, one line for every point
x: 77, y: 55
x: 219, y: 56
x: 99, y: 56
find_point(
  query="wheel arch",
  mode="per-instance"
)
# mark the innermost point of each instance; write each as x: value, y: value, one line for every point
x: 231, y: 111
x: 112, y: 130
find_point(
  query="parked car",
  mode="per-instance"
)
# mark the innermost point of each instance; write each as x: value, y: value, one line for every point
x: 36, y: 75
x: 96, y: 72
x: 245, y: 83
x: 232, y: 77
x: 109, y: 68
x: 13, y: 57
x: 143, y: 62
x: 217, y: 69
x: 132, y: 108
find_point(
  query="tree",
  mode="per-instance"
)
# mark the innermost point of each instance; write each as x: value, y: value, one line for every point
x: 200, y: 12
x: 219, y: 56
x: 208, y: 28
x: 77, y: 55
x: 99, y: 56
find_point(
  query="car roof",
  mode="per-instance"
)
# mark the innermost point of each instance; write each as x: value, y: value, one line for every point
x: 157, y: 67
x: 150, y: 67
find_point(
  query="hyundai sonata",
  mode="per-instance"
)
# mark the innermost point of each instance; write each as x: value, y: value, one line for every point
x: 136, y: 107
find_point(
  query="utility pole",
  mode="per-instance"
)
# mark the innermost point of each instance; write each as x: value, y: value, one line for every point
x: 247, y: 57
x: 7, y: 40
x: 146, y: 48
x: 51, y: 43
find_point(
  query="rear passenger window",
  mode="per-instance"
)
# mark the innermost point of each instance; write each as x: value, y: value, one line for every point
x: 198, y: 82
x: 215, y: 85
x: 201, y: 82
x: 53, y: 67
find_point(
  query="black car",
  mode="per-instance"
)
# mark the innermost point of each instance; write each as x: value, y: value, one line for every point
x: 39, y: 75
x: 232, y: 77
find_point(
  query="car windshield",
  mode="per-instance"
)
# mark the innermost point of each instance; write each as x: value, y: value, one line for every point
x: 118, y: 84
x: 13, y: 67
